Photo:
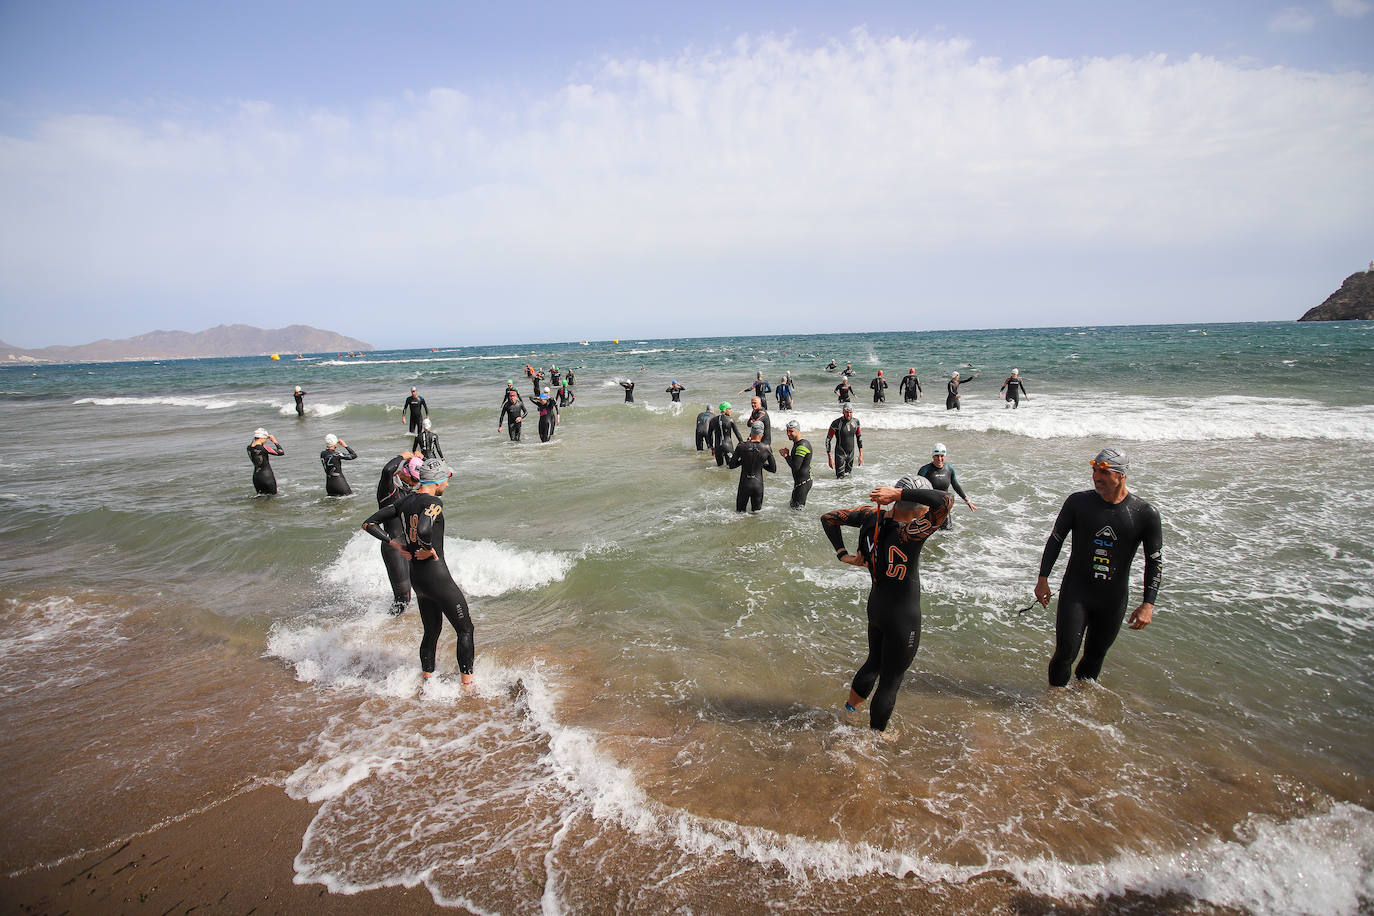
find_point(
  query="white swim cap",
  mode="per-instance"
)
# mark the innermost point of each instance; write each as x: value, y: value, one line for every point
x: 426, y: 422
x: 259, y: 433
x: 298, y: 389
x: 1016, y: 372
x: 331, y: 440
x: 937, y: 449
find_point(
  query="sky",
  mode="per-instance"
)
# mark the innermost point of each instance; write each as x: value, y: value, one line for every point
x: 472, y: 173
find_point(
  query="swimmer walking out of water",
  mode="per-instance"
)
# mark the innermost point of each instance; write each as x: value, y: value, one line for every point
x: 1015, y: 390
x: 263, y: 445
x: 1107, y: 523
x: 300, y: 401
x: 890, y: 547
x: 410, y: 411
x: 752, y: 458
x: 722, y: 428
x: 422, y: 520
x: 335, y: 452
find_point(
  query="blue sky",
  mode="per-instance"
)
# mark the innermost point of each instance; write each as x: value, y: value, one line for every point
x: 418, y: 174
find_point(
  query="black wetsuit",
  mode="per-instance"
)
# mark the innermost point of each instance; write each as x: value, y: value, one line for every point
x: 784, y: 392
x: 548, y: 416
x: 943, y: 479
x: 909, y: 387
x: 389, y: 490
x: 676, y: 392
x: 879, y: 386
x: 761, y: 416
x: 952, y: 392
x: 894, y: 601
x: 722, y: 428
x: 799, y: 460
x: 848, y: 371
x: 414, y: 405
x: 629, y: 391
x: 427, y: 443
x: 335, y: 484
x: 831, y: 367
x: 847, y: 437
x: 538, y: 389
x: 565, y: 395
x: 1096, y: 584
x: 511, y: 418
x: 761, y: 389
x: 300, y: 402
x: 752, y: 458
x: 703, y: 429
x: 1016, y: 390
x: 264, y: 481
x: 555, y: 378
x: 844, y: 392
x: 570, y: 378
x: 422, y: 521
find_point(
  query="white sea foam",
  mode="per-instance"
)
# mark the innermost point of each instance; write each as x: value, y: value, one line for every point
x: 204, y: 402
x: 1122, y: 418
x: 427, y: 359
x: 317, y: 409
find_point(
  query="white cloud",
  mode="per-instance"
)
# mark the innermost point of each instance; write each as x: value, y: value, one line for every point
x: 1293, y: 20
x: 1351, y: 9
x: 709, y: 181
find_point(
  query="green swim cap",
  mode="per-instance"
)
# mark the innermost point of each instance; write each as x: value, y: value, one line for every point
x: 724, y: 406
x: 509, y: 382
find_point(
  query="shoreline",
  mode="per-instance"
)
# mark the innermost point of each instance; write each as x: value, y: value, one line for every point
x: 234, y: 856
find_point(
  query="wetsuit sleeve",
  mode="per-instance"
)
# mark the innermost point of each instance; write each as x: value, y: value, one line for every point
x: 954, y: 483
x: 274, y: 449
x: 939, y: 502
x: 829, y: 436
x: 771, y: 463
x: 425, y: 406
x: 374, y: 523
x: 348, y: 454
x: 735, y: 428
x: 1154, y: 560
x: 437, y: 450
x: 832, y: 522
x: 859, y: 436
x: 1062, y: 526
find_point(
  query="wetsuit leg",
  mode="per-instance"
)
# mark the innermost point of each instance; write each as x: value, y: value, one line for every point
x: 894, y: 635
x: 701, y: 442
x: 951, y: 403
x: 844, y: 463
x: 1073, y: 619
x: 1104, y: 624
x: 750, y: 495
x: 337, y: 486
x: 1015, y: 401
x: 722, y: 453
x: 438, y: 596
x: 799, y: 493
x: 546, y: 427
x: 397, y: 567
x: 265, y: 482
x: 513, y: 430
x: 415, y: 424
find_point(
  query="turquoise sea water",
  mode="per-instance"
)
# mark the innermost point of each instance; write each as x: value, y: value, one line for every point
x: 660, y: 678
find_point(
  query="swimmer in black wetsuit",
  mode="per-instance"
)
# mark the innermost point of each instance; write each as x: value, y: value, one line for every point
x: 704, y: 428
x: 422, y: 520
x: 848, y: 370
x: 629, y: 387
x: 909, y: 387
x: 890, y: 546
x: 565, y: 392
x: 879, y: 386
x: 952, y: 400
x: 335, y: 452
x: 760, y: 389
x: 513, y: 413
x: 510, y: 387
x: 300, y: 402
x: 1107, y: 523
x: 752, y: 458
x: 759, y: 414
x: 831, y: 367
x: 410, y: 411
x: 784, y: 391
x: 675, y: 391
x: 548, y: 415
x: 798, y: 458
x: 264, y: 444
x: 844, y: 392
x: 845, y: 436
x: 427, y: 443
x: 722, y: 428
x: 942, y: 476
x: 1015, y: 390
x: 399, y: 478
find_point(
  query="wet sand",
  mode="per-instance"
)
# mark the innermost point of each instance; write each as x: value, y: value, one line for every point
x: 233, y: 858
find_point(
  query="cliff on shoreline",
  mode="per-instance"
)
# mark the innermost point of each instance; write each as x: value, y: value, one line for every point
x: 1353, y: 301
x: 223, y: 340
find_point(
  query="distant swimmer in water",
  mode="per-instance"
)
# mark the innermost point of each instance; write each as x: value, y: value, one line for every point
x: 848, y: 440
x: 844, y: 391
x: 264, y: 444
x: 300, y: 402
x: 1015, y: 390
x: 752, y: 458
x: 784, y: 391
x: 1107, y: 524
x: 411, y: 411
x: 512, y: 414
x: 798, y: 458
x: 760, y: 388
x: 722, y: 428
x: 400, y: 477
x: 675, y: 391
x: 831, y: 367
x: 427, y: 442
x: 565, y: 392
x: 336, y: 451
x: 952, y: 400
x: 629, y: 387
x: 890, y: 547
x: 909, y: 387
x: 422, y: 521
x: 759, y: 414
x: 848, y: 370
x: 548, y: 415
x: 879, y: 386
x: 704, y: 428
x: 942, y: 476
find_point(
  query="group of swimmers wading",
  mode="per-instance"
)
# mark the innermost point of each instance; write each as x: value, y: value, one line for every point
x: 1105, y: 527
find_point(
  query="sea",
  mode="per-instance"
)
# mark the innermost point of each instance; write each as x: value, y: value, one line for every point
x: 658, y: 722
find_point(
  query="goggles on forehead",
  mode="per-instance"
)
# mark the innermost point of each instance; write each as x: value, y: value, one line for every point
x: 1104, y: 466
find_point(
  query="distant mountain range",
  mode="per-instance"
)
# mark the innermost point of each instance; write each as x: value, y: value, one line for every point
x: 224, y: 340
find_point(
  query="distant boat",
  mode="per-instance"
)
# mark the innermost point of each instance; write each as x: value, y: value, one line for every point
x: 584, y: 343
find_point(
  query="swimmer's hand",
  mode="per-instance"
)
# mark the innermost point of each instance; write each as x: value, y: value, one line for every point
x: 400, y: 548
x: 1140, y: 618
x: 884, y: 495
x: 782, y: 452
x: 424, y: 553
x: 1042, y: 591
x: 852, y: 559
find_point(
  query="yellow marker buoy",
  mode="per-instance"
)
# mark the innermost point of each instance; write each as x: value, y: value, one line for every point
x: 615, y: 341
x: 276, y: 356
